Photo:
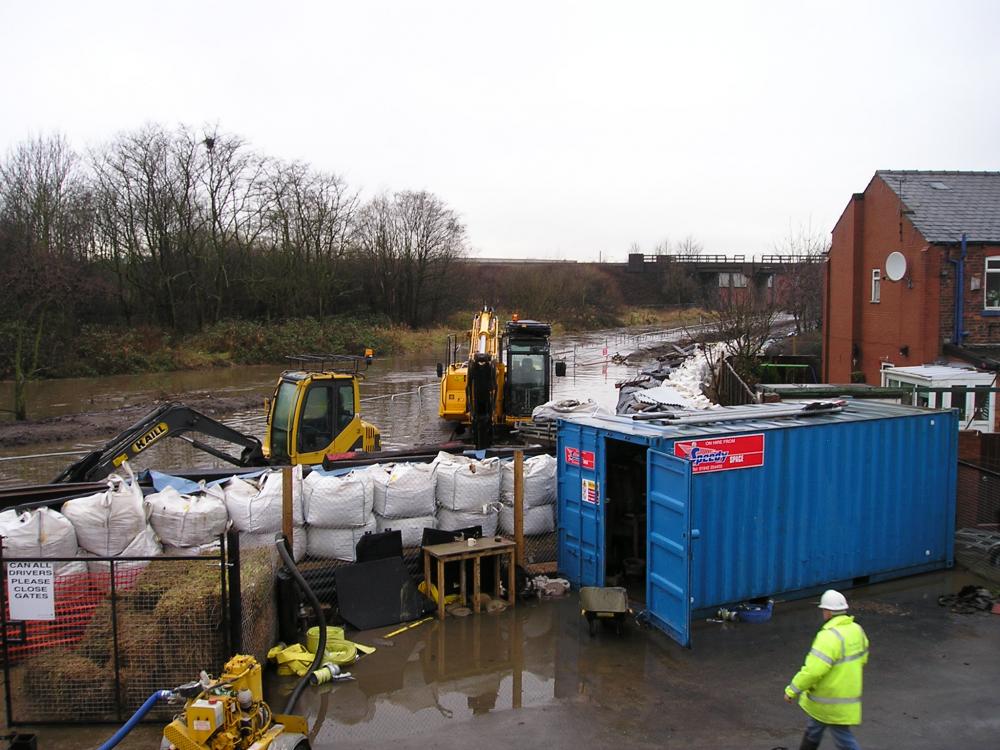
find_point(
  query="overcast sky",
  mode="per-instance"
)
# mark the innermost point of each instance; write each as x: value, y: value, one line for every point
x: 558, y: 129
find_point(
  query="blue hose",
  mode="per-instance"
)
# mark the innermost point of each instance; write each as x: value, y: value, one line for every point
x: 129, y: 725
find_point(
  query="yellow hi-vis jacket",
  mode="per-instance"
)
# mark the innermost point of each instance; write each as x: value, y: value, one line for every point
x: 829, y: 684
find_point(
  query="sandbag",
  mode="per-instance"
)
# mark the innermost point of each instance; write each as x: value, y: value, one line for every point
x: 452, y: 520
x: 255, y: 505
x: 188, y: 520
x: 465, y: 484
x: 538, y: 520
x: 404, y: 490
x: 339, y: 502
x: 412, y: 529
x: 37, y: 533
x: 335, y: 544
x: 144, y: 544
x: 539, y: 481
x: 107, y: 522
x: 266, y: 539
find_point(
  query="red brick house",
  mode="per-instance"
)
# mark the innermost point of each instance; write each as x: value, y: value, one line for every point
x: 939, y: 298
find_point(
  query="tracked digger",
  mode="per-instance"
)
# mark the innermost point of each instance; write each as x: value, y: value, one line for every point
x: 313, y: 412
x: 505, y: 376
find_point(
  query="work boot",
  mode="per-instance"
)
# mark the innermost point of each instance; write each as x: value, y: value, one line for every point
x: 808, y: 744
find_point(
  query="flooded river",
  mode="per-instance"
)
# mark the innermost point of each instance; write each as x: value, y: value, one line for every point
x: 399, y: 395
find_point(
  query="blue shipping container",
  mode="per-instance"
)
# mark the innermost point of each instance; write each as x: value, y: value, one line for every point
x: 728, y: 511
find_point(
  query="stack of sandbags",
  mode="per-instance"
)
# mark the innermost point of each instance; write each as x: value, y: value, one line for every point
x: 404, y: 499
x: 255, y: 509
x: 467, y: 493
x: 113, y: 524
x: 539, y: 496
x: 188, y: 524
x: 338, y: 512
x: 40, y: 533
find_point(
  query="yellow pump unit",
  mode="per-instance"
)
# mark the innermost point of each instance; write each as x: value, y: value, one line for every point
x: 229, y: 713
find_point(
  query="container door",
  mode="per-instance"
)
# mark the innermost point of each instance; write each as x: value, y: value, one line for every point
x: 580, y: 513
x: 668, y: 551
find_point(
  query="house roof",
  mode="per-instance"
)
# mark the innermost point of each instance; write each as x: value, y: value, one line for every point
x: 943, y: 205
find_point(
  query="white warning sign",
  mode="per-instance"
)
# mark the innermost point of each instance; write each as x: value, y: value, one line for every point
x: 31, y: 590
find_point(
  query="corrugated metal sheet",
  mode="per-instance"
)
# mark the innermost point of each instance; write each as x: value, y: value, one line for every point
x: 866, y: 493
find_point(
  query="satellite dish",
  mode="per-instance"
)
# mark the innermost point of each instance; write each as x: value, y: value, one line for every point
x: 895, y: 266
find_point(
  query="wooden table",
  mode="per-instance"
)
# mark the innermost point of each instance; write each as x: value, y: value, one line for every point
x: 460, y: 552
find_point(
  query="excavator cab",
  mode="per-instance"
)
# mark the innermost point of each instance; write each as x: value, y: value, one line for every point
x: 527, y: 383
x: 315, y: 413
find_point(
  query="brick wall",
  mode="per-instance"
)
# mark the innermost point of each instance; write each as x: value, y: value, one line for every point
x: 981, y: 326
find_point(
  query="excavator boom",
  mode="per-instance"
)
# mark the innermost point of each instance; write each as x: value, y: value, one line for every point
x: 168, y: 420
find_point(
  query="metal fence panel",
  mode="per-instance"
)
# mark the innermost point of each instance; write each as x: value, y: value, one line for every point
x: 123, y: 628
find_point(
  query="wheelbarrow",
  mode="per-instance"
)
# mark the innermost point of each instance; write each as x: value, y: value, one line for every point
x: 604, y: 604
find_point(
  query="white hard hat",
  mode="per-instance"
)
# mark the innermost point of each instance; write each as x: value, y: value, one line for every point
x: 833, y: 601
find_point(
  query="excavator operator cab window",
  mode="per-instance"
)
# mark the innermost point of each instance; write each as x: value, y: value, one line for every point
x: 281, y: 421
x: 527, y: 383
x: 316, y: 425
x: 345, y: 406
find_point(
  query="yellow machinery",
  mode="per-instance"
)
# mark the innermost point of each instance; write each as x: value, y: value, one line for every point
x: 505, y: 376
x: 230, y: 714
x: 313, y: 413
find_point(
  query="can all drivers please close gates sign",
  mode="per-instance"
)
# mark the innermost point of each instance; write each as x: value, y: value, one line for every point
x: 722, y: 454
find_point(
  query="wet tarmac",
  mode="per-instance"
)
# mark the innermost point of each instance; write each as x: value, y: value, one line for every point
x: 533, y: 678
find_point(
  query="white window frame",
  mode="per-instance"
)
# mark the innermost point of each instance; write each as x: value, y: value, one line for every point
x: 724, y: 280
x: 989, y: 273
x: 876, y: 286
x: 739, y: 279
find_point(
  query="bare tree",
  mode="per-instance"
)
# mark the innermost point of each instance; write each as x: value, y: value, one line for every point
x: 689, y: 246
x: 409, y: 242
x: 45, y: 236
x: 799, y: 290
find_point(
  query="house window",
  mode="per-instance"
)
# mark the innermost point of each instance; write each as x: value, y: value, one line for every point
x: 770, y: 281
x: 739, y: 280
x: 992, y: 296
x: 876, y: 285
x: 723, y: 279
x: 981, y: 404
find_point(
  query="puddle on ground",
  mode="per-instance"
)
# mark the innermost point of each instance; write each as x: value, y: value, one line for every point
x: 457, y: 670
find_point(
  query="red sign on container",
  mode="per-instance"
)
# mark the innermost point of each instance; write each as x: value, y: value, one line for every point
x: 587, y: 460
x: 572, y: 456
x: 722, y: 454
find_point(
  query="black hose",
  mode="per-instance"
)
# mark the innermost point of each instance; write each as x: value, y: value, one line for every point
x: 279, y: 542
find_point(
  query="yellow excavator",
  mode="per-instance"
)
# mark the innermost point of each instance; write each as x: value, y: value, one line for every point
x: 314, y: 412
x: 505, y: 376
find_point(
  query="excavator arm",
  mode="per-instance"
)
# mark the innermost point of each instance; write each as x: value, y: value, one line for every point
x: 168, y: 420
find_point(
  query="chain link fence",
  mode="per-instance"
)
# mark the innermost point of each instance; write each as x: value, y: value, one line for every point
x: 122, y: 628
x: 977, y: 518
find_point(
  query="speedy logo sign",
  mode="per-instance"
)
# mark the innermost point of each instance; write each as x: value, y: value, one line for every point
x: 577, y: 457
x: 722, y: 454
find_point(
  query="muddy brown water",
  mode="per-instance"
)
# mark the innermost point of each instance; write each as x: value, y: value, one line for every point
x: 399, y: 395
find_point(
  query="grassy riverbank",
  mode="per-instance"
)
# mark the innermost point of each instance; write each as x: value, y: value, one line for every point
x: 106, y: 350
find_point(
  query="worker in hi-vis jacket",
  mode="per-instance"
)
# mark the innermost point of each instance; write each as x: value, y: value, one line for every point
x: 828, y: 687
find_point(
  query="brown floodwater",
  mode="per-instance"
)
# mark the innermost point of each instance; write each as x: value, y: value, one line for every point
x: 399, y: 394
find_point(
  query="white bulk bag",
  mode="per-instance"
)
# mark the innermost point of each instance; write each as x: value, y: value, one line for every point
x: 404, y: 490
x: 37, y: 533
x: 107, y: 522
x: 144, y: 544
x: 266, y: 539
x: 188, y: 520
x: 255, y: 505
x: 336, y: 544
x: 453, y: 520
x: 338, y: 502
x: 466, y: 484
x: 538, y: 520
x: 412, y: 529
x: 539, y: 481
